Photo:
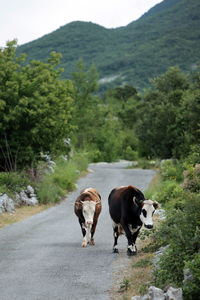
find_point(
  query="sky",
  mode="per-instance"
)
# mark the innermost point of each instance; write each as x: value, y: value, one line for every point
x: 27, y: 20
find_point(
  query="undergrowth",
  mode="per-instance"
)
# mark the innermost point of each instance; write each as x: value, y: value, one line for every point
x: 54, y: 186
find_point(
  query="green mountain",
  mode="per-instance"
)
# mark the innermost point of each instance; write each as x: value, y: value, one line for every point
x: 167, y: 35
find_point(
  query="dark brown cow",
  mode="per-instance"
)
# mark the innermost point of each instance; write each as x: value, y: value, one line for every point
x: 87, y: 207
x: 129, y: 210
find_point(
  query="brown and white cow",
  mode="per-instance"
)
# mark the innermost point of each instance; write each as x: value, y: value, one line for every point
x: 87, y: 207
x: 129, y: 210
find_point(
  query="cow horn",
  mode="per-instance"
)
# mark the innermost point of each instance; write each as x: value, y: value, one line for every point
x: 137, y: 201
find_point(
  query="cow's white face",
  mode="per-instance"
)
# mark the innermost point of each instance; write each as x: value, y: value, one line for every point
x: 147, y: 211
x: 88, y: 211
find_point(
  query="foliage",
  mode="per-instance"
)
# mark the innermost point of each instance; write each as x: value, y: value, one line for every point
x: 192, y: 179
x: 166, y: 128
x: 11, y: 182
x: 125, y: 285
x: 142, y: 263
x: 193, y: 157
x: 53, y: 186
x: 191, y: 288
x: 130, y: 154
x: 35, y: 109
x: 97, y: 122
x: 144, y: 163
x: 86, y: 114
x: 171, y: 170
x: 181, y: 232
x: 170, y: 194
x: 157, y: 126
x: 126, y: 55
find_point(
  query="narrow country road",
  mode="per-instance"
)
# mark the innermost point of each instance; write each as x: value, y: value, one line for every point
x: 41, y: 258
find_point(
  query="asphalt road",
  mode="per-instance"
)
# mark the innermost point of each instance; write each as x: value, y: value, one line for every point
x: 42, y: 258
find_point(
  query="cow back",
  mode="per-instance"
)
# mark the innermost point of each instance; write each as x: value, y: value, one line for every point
x: 121, y: 203
x: 89, y: 194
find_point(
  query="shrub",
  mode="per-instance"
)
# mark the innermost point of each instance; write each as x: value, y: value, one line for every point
x: 193, y: 157
x: 181, y: 231
x: 191, y: 288
x: 130, y: 154
x: 55, y: 185
x: 170, y: 193
x: 171, y: 170
x: 192, y: 179
x: 170, y: 271
x: 11, y: 182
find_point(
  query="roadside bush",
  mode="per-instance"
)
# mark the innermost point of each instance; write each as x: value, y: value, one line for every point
x: 193, y: 157
x: 181, y: 231
x: 55, y: 185
x: 191, y: 288
x: 11, y: 182
x: 146, y: 163
x: 170, y: 194
x: 171, y: 170
x: 130, y: 154
x: 170, y: 271
x: 192, y: 179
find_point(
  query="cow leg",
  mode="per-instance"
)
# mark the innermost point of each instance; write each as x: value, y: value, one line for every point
x: 92, y: 233
x: 84, y: 232
x: 116, y: 235
x: 134, y: 237
x: 88, y: 233
x: 131, y: 250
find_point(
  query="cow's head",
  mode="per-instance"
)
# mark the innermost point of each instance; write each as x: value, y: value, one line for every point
x: 146, y: 215
x: 88, y: 209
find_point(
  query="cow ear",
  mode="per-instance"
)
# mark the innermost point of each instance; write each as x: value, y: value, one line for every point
x: 155, y: 204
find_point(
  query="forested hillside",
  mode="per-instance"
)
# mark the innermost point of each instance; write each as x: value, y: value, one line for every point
x: 167, y: 35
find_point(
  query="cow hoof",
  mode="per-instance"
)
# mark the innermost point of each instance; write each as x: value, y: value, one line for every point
x: 115, y: 250
x: 131, y: 253
x: 92, y: 243
x: 84, y: 244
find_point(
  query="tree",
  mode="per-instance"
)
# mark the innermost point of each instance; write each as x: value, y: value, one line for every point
x: 35, y: 108
x: 189, y: 119
x: 86, y: 115
x: 158, y: 129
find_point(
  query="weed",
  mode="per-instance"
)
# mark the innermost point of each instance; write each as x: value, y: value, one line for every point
x: 144, y: 262
x: 124, y: 286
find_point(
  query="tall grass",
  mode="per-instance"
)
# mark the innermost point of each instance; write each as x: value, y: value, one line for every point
x: 54, y: 186
x: 12, y: 182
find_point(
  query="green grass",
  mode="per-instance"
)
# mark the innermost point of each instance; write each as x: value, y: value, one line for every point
x: 54, y: 186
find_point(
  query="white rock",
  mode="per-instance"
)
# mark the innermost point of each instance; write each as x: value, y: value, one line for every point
x: 6, y: 204
x: 26, y: 197
x: 2, y: 209
x: 156, y: 293
x: 174, y: 294
x: 30, y: 189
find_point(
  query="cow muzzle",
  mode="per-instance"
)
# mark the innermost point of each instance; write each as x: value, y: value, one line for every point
x: 148, y: 226
x: 89, y: 222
